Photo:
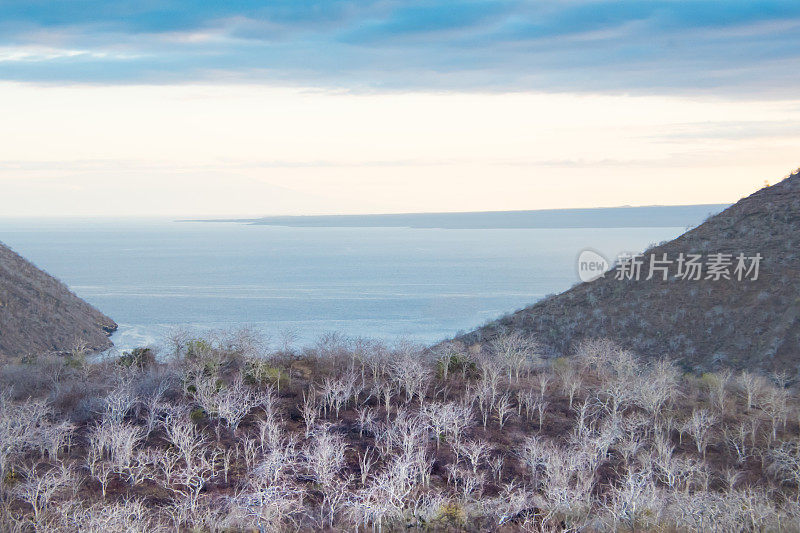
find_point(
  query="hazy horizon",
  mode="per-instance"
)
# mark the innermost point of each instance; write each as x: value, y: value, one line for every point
x: 253, y: 217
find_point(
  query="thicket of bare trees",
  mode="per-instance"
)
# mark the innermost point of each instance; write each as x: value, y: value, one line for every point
x: 352, y: 435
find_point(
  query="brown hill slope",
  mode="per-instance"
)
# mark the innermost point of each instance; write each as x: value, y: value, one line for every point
x: 706, y: 323
x: 38, y: 313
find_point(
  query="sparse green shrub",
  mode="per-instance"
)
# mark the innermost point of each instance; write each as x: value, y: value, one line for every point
x: 456, y: 364
x: 140, y: 358
x: 263, y: 373
x: 76, y: 360
x: 709, y: 381
x: 11, y: 478
x: 452, y: 513
x: 198, y: 348
x: 560, y: 364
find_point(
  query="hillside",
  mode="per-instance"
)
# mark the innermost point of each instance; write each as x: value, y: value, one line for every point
x: 705, y: 323
x: 38, y: 313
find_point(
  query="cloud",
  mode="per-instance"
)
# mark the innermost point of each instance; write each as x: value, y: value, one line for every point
x: 741, y: 47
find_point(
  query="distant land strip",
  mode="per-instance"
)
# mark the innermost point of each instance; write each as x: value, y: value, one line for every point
x: 601, y: 217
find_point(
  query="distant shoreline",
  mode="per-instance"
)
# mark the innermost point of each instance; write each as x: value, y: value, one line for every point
x: 601, y: 217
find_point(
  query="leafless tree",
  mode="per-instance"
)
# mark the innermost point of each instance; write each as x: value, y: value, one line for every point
x: 570, y: 381
x: 784, y: 463
x: 249, y: 450
x: 366, y: 419
x: 41, y: 485
x: 634, y: 502
x: 535, y: 453
x: 447, y: 419
x: 142, y: 466
x: 412, y: 376
x: 266, y: 506
x: 775, y: 406
x: 235, y: 402
x: 474, y: 451
x: 270, y: 433
x: 53, y: 437
x: 121, y: 399
x: 154, y: 406
x: 288, y: 336
x: 384, y: 497
x: 310, y: 410
x: 698, y: 426
x: 511, y: 503
x: 445, y: 354
x: 183, y: 435
x: 230, y: 403
x: 278, y: 462
x: 586, y: 412
x: 624, y: 364
x: 736, y: 439
x: 515, y: 352
x: 658, y: 388
x: 190, y: 478
x: 387, y: 389
x: 20, y: 425
x: 496, y: 466
x: 128, y: 515
x: 491, y: 376
x: 117, y: 441
x: 752, y: 385
x: 168, y: 467
x: 99, y: 468
x: 407, y: 433
x: 594, y: 354
x: 467, y: 484
x: 503, y: 408
x: 337, y: 392
x: 544, y: 379
x: 324, y: 456
x: 366, y: 461
x: 617, y: 393
x: 483, y: 395
x: 245, y: 342
x: 718, y: 389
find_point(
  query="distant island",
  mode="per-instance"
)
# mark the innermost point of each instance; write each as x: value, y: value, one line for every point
x: 602, y: 217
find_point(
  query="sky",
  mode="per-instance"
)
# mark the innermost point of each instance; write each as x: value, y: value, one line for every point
x: 243, y: 108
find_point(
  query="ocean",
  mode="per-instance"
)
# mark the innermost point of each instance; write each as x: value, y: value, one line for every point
x: 153, y: 276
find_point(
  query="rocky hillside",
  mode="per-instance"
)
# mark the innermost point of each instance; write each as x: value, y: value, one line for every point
x: 706, y: 323
x: 38, y: 313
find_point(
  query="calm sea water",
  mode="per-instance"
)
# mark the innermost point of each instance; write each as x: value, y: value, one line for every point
x: 152, y: 276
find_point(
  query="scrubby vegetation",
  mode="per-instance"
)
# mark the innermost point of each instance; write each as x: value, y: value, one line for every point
x: 224, y: 435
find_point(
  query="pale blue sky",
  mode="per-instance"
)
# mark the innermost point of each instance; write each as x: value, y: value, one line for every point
x: 739, y: 46
x: 287, y: 106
